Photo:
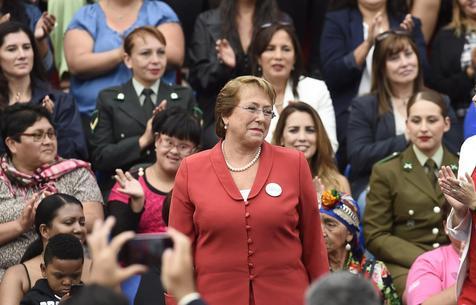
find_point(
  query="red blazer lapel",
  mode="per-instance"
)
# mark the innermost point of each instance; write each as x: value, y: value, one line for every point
x: 264, y: 169
x: 218, y: 163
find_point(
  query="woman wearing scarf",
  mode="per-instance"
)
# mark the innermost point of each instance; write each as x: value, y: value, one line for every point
x: 31, y: 169
x: 340, y: 223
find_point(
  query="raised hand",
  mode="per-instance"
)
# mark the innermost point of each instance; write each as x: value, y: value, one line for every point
x: 48, y: 103
x: 225, y: 53
x: 44, y: 26
x: 407, y: 23
x: 131, y: 187
x: 375, y: 28
x: 450, y: 187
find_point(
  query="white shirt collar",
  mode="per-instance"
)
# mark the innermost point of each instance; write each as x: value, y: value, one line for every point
x: 422, y: 158
x: 138, y: 87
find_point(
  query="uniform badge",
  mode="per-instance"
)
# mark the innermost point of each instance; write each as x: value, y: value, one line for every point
x: 407, y: 166
x: 120, y: 97
x: 173, y: 96
x: 94, y: 120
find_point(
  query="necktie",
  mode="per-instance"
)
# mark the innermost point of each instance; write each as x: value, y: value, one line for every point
x: 148, y: 105
x: 431, y: 168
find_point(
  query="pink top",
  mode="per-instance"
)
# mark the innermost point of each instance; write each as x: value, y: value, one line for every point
x: 432, y: 272
x: 151, y: 219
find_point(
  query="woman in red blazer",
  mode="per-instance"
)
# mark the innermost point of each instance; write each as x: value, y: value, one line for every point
x: 250, y: 208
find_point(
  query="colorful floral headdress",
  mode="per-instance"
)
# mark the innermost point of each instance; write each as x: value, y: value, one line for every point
x: 342, y: 207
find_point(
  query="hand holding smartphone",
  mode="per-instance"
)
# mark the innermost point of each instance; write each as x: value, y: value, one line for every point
x: 145, y: 249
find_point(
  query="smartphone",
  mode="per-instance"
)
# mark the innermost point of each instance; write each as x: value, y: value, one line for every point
x: 145, y: 249
x: 75, y: 289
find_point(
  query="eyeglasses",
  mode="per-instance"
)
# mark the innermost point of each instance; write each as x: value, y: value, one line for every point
x: 267, y: 112
x: 40, y: 136
x: 182, y: 148
x: 382, y: 36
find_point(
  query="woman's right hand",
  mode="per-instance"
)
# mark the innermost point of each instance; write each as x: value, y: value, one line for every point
x: 131, y: 187
x: 225, y: 53
x: 27, y: 217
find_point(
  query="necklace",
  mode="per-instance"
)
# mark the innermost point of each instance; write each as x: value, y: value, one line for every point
x: 241, y: 169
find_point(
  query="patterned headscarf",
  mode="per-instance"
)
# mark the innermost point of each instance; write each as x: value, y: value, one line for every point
x: 342, y: 207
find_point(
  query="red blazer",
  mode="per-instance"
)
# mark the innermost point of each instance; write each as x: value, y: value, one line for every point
x: 270, y: 247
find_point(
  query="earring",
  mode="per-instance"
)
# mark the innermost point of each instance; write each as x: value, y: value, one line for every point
x: 259, y: 69
x: 226, y: 126
x: 348, y: 247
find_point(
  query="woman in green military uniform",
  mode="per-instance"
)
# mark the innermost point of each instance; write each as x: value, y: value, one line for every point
x: 403, y: 213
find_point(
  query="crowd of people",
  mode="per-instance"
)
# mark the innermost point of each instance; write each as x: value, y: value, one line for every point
x: 273, y: 157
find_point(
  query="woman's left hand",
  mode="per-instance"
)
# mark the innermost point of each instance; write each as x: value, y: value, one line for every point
x: 48, y: 103
x: 407, y: 23
x: 44, y: 26
x: 462, y: 190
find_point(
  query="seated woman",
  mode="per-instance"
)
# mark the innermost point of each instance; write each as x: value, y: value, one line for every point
x: 136, y: 199
x: 341, y: 227
x: 432, y: 277
x: 41, y: 24
x: 219, y: 50
x: 93, y: 44
x: 300, y: 126
x: 57, y: 213
x: 453, y: 57
x: 376, y: 126
x: 347, y: 44
x: 403, y: 216
x: 30, y: 167
x: 24, y: 81
x: 122, y: 126
x: 276, y: 56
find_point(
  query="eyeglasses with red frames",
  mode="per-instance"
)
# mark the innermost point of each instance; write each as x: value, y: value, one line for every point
x: 40, y: 135
x: 168, y: 143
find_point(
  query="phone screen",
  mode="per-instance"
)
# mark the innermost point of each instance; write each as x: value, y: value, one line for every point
x: 145, y: 249
x: 75, y: 289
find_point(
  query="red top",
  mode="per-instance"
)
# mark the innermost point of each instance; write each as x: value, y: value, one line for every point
x: 267, y: 249
x: 468, y: 293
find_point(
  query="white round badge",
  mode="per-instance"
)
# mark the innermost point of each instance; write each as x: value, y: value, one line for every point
x: 273, y: 189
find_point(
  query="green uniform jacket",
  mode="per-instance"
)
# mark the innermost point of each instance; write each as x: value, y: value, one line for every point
x: 403, y: 214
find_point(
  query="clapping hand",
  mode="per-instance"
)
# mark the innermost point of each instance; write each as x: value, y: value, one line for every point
x: 407, y: 24
x: 320, y: 188
x: 44, y: 26
x: 460, y: 193
x: 375, y: 28
x: 48, y: 103
x: 225, y: 53
x: 131, y: 187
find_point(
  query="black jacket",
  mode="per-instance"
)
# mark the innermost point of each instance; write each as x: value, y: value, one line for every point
x: 40, y: 294
x: 447, y: 75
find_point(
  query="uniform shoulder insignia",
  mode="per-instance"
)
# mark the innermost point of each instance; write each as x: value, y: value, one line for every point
x: 94, y: 120
x: 389, y: 157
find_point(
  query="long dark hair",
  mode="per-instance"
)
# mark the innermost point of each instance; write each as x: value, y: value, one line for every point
x: 46, y: 212
x: 395, y: 8
x: 38, y: 70
x: 261, y: 41
x: 265, y: 11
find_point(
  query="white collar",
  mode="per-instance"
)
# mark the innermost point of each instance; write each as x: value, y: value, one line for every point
x: 138, y: 87
x: 422, y: 158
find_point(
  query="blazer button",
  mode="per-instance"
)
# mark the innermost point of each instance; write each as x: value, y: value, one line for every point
x: 250, y: 252
x: 252, y: 277
x: 435, y: 231
x: 250, y: 241
x: 247, y: 214
x: 436, y: 245
x: 411, y: 212
x: 247, y: 203
x: 250, y: 265
x: 248, y: 227
x: 147, y: 152
x: 123, y: 135
x: 436, y: 210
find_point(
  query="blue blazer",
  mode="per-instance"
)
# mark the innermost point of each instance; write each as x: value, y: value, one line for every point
x: 371, y: 137
x: 343, y: 32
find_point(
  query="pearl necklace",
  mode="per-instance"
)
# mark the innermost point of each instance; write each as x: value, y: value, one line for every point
x: 241, y: 169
